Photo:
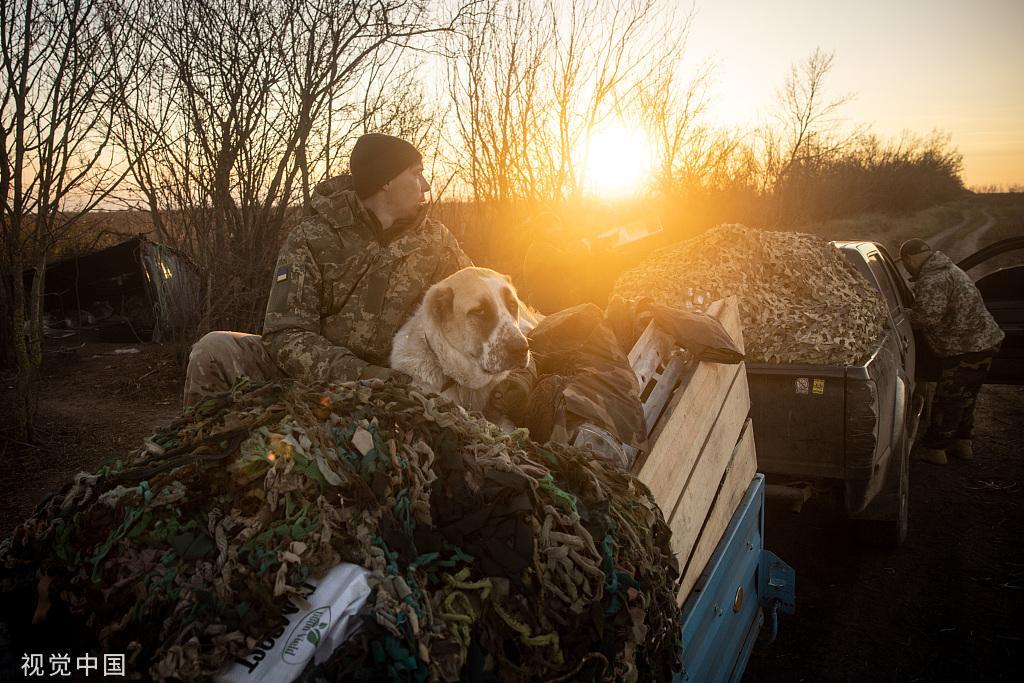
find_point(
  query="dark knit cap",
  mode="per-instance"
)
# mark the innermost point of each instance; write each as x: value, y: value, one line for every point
x: 377, y: 159
x: 912, y: 247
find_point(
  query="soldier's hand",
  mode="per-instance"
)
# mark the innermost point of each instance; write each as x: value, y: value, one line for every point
x: 386, y: 374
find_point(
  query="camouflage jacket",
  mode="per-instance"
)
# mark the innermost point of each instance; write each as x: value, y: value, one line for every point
x: 949, y: 310
x: 343, y: 286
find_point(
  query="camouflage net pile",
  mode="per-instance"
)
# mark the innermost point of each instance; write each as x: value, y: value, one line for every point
x: 485, y: 550
x: 800, y: 300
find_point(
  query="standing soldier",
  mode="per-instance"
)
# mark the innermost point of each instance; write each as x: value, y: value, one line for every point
x: 347, y: 277
x: 951, y: 314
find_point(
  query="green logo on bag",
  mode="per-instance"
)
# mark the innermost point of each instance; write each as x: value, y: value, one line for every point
x: 306, y: 636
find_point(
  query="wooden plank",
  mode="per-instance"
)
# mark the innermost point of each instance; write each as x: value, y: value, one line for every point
x: 659, y: 397
x: 727, y: 311
x: 698, y: 495
x: 689, y: 418
x: 715, y: 309
x: 659, y: 367
x: 734, y: 484
x: 650, y: 350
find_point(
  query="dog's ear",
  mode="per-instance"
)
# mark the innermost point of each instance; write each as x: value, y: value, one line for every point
x: 440, y: 302
x: 508, y: 280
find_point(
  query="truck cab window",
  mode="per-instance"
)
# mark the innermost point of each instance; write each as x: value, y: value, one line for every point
x: 903, y: 292
x: 884, y: 280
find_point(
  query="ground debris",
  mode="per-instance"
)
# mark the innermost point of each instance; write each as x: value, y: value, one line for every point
x: 800, y: 300
x: 486, y: 550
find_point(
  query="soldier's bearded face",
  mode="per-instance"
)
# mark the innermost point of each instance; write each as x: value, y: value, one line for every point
x: 913, y: 263
x: 406, y: 192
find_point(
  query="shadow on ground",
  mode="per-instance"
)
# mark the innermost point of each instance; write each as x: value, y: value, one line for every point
x: 946, y: 606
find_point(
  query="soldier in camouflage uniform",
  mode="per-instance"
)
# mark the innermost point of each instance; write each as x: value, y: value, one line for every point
x: 952, y: 317
x: 346, y: 279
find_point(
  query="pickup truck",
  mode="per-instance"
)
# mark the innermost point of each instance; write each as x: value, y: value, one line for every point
x: 847, y: 427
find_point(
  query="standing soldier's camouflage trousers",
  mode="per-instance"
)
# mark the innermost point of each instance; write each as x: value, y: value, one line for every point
x: 952, y: 416
x: 220, y: 358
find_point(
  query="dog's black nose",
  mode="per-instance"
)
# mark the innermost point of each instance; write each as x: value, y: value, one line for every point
x: 517, y: 349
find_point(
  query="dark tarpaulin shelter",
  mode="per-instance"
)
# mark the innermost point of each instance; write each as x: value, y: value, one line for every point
x: 135, y: 290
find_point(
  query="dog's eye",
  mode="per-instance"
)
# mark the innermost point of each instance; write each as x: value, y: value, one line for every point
x: 482, y: 312
x: 510, y: 302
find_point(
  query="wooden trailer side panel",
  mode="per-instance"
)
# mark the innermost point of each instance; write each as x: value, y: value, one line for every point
x: 689, y: 418
x: 702, y: 456
x: 735, y: 481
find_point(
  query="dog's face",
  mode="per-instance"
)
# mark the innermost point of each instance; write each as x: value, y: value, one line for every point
x: 477, y: 311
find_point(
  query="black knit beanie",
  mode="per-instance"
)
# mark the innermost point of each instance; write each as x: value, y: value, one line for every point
x: 377, y: 159
x: 913, y: 247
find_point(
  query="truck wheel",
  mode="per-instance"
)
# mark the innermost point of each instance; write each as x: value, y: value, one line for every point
x: 897, y: 528
x: 890, y: 533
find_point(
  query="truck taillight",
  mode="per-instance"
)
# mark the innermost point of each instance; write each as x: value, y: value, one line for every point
x: 861, y: 425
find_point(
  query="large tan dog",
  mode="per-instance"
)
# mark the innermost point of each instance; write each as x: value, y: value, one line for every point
x: 465, y: 337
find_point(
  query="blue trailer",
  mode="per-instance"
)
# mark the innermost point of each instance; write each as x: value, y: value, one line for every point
x: 742, y: 589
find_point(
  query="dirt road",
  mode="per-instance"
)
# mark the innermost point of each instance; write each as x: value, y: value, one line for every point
x: 966, y: 237
x: 945, y: 607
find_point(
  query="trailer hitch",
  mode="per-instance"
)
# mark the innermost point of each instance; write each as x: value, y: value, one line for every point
x: 777, y: 588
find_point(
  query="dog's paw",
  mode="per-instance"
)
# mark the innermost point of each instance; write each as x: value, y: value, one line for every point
x: 386, y: 374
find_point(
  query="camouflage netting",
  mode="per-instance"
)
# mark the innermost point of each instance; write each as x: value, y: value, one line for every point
x: 486, y: 550
x: 800, y: 300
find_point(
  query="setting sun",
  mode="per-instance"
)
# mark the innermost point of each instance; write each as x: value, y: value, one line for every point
x: 619, y: 162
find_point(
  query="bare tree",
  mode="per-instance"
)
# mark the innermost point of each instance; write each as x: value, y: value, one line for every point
x: 395, y: 102
x: 494, y: 63
x: 808, y: 125
x: 530, y: 80
x: 66, y: 66
x: 605, y: 52
x: 806, y: 114
x: 687, y: 149
x: 249, y: 110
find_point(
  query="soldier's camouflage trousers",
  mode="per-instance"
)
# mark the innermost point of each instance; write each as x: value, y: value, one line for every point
x: 585, y: 377
x: 952, y: 415
x: 220, y: 358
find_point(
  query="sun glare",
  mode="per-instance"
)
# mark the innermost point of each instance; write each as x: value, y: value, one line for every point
x: 619, y: 162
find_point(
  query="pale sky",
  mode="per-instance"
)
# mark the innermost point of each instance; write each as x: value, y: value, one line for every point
x: 953, y: 65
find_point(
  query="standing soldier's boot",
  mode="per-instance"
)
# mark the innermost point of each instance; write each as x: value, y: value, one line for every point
x: 963, y: 449
x: 933, y: 455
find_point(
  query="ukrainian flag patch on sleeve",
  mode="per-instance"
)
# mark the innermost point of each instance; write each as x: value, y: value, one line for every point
x: 282, y: 274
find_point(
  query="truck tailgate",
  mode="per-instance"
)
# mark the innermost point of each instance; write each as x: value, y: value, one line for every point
x: 799, y: 418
